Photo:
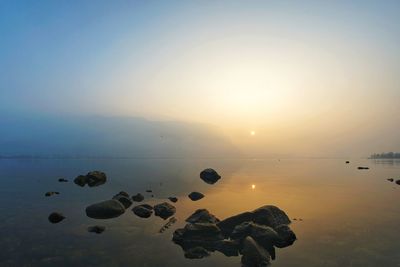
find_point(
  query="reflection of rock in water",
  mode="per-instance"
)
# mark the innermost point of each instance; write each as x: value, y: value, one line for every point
x: 254, y: 235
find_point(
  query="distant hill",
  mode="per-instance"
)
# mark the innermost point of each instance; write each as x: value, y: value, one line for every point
x: 52, y: 136
x: 387, y: 155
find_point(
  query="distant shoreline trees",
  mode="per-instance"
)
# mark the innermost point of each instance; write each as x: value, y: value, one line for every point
x: 387, y: 155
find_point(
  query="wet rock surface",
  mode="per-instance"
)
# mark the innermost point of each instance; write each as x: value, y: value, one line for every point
x: 138, y: 197
x: 194, y: 196
x: 254, y: 235
x: 210, y: 176
x: 56, y: 217
x: 96, y: 229
x: 105, y: 210
x: 164, y: 210
x: 62, y: 180
x: 124, y: 199
x: 202, y: 216
x: 92, y: 179
x: 143, y: 211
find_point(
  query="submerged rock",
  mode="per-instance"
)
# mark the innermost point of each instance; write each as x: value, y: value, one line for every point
x: 51, y: 193
x: 202, y: 216
x: 94, y: 178
x: 194, y: 196
x: 105, y: 210
x: 210, y: 176
x: 96, y: 229
x: 124, y: 199
x: 62, y: 180
x: 173, y: 199
x: 143, y: 211
x: 138, y: 197
x: 56, y: 217
x: 390, y: 179
x: 164, y: 210
x: 347, y: 162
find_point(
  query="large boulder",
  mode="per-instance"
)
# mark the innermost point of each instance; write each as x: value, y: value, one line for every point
x: 254, y: 255
x: 164, y: 210
x: 202, y: 216
x: 270, y: 216
x: 230, y: 223
x: 93, y: 178
x: 210, y: 176
x: 105, y: 209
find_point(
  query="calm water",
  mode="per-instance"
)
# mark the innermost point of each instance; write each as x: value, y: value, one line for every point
x: 350, y: 217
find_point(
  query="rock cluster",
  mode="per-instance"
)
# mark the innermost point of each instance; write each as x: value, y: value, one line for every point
x: 94, y: 178
x: 254, y: 235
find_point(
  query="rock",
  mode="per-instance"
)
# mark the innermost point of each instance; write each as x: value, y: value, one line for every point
x: 138, y: 197
x: 96, y: 229
x: 170, y: 222
x: 56, y: 217
x: 173, y: 199
x: 398, y: 182
x: 51, y: 193
x: 149, y: 191
x: 164, y: 210
x: 105, y: 210
x: 363, y: 168
x: 80, y: 180
x: 195, y: 196
x: 210, y: 176
x: 270, y: 216
x: 286, y: 236
x: 196, y: 253
x: 123, y: 199
x: 227, y: 247
x: 143, y: 211
x: 202, y: 216
x: 254, y: 255
x: 390, y: 179
x: 123, y: 193
x: 62, y: 180
x: 347, y: 162
x: 230, y: 223
x: 94, y: 178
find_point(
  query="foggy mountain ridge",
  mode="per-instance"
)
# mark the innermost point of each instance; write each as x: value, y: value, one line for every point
x: 98, y: 136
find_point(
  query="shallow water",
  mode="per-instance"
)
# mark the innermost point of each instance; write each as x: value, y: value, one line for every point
x: 350, y: 217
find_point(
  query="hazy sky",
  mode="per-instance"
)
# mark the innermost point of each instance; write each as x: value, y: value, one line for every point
x: 312, y: 76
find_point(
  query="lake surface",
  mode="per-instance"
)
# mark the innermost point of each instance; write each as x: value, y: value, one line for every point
x: 349, y: 217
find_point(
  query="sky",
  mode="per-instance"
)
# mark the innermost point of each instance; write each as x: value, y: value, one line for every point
x: 317, y: 77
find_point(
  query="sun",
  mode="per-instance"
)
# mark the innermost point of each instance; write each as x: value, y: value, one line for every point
x: 252, y: 133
